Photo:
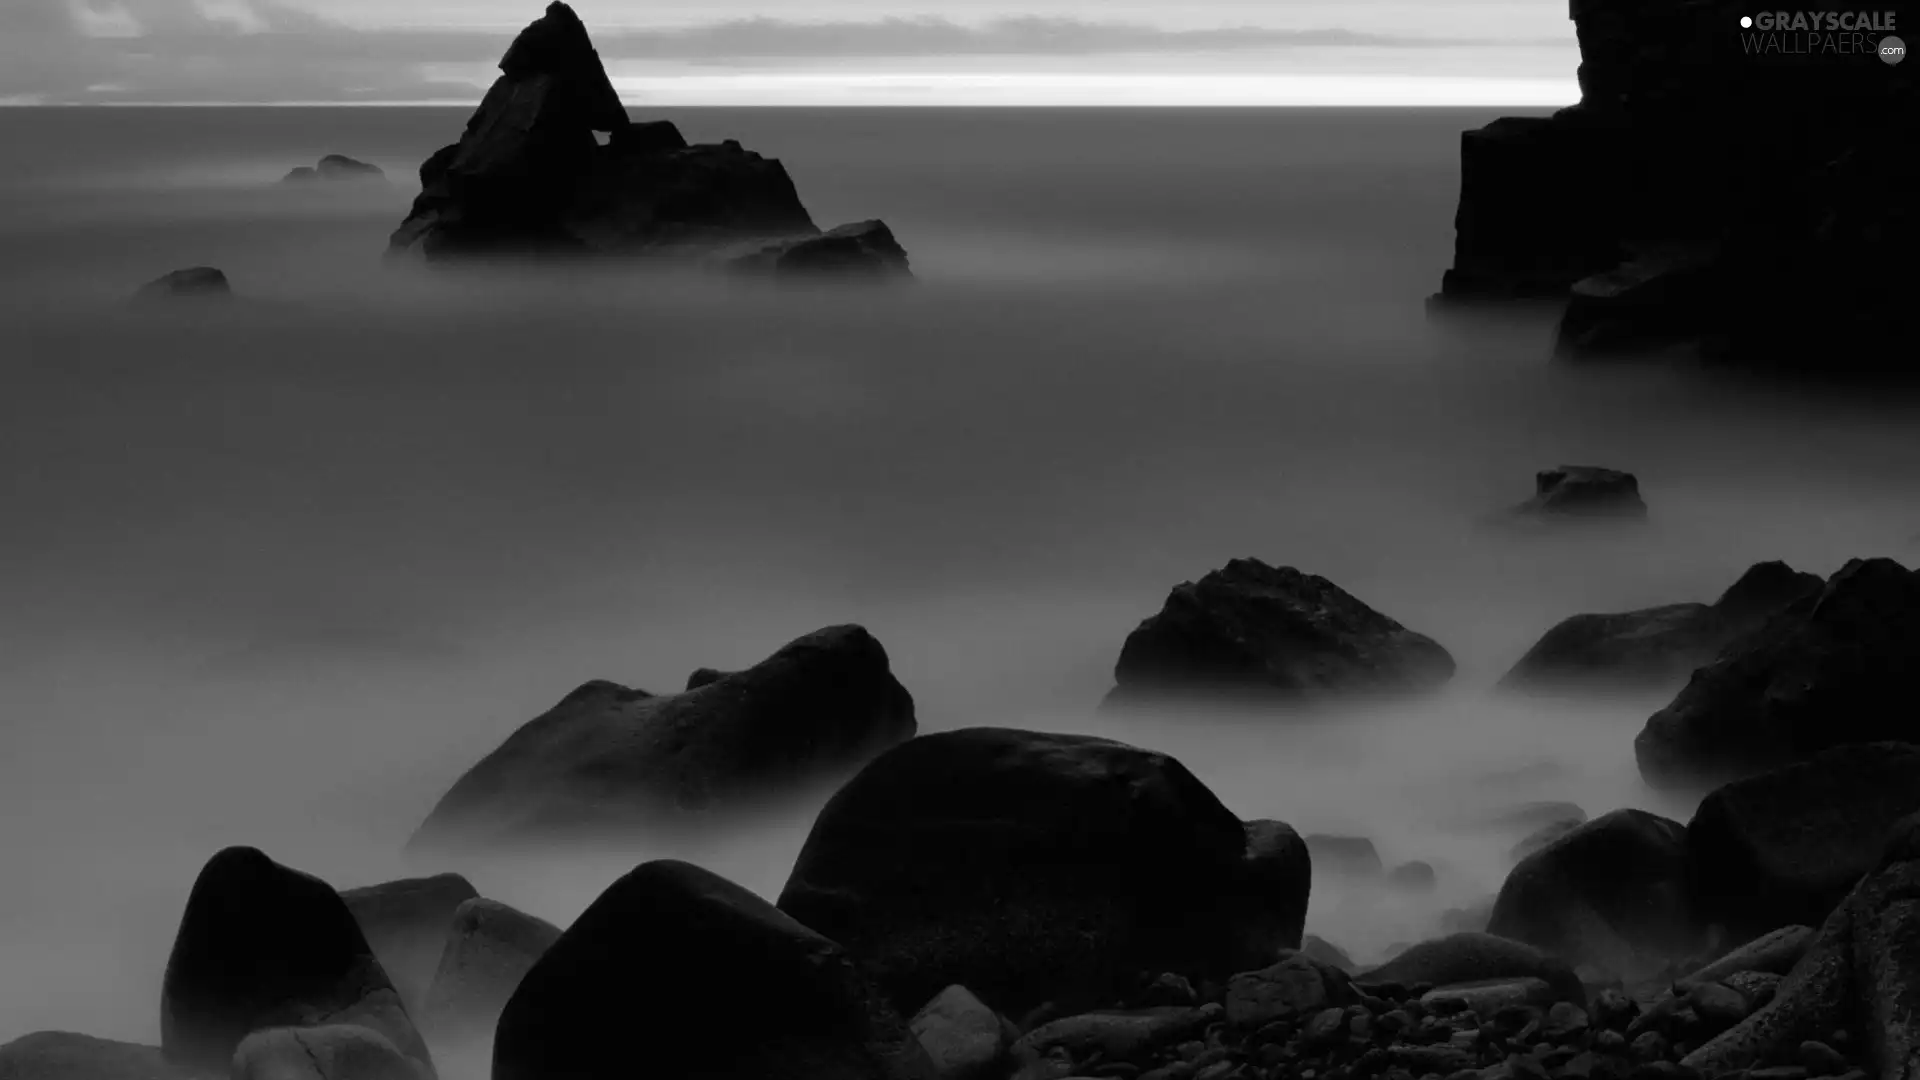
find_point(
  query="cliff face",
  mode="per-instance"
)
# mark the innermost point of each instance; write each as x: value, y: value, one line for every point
x: 1748, y: 189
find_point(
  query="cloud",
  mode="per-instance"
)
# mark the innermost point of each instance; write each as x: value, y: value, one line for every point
x: 267, y: 50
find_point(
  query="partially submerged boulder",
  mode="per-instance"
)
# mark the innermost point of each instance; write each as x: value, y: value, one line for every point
x: 1830, y: 669
x: 490, y: 947
x: 1611, y: 894
x: 608, y: 757
x: 1786, y: 847
x: 1477, y: 959
x: 1353, y: 856
x: 1033, y: 867
x: 635, y: 981
x: 264, y: 946
x: 1656, y: 647
x: 963, y: 1038
x: 1583, y: 492
x: 332, y: 1052
x: 336, y: 168
x: 65, y: 1055
x: 197, y: 282
x: 529, y: 177
x: 1250, y: 629
x: 406, y: 922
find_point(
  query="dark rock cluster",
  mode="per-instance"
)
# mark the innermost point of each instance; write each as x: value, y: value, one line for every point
x: 531, y: 176
x: 1712, y: 186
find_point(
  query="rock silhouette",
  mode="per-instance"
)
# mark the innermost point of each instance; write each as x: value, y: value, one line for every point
x: 1708, y: 189
x: 264, y: 946
x: 1656, y: 647
x: 633, y: 982
x: 1033, y: 867
x: 529, y: 177
x: 406, y: 922
x: 609, y: 757
x: 198, y: 282
x: 335, y: 167
x: 1584, y: 491
x: 1258, y: 631
x: 1828, y: 670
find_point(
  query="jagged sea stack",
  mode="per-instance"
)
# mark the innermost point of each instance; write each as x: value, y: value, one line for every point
x: 1750, y: 191
x: 530, y: 176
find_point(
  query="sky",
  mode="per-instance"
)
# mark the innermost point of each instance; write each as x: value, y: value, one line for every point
x: 803, y: 52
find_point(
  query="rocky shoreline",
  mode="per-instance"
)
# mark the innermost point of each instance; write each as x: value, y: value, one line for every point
x: 999, y: 904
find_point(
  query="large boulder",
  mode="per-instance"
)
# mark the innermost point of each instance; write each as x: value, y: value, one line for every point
x: 1468, y: 958
x: 1786, y: 847
x: 1830, y: 669
x: 1574, y: 492
x: 263, y: 946
x: 1611, y: 894
x: 1656, y: 647
x: 1250, y: 629
x: 332, y: 1052
x: 1861, y: 974
x: 1707, y: 190
x: 529, y: 176
x: 608, y: 757
x: 677, y: 972
x: 406, y: 922
x: 193, y: 283
x: 1033, y: 867
x: 64, y: 1055
x: 490, y: 947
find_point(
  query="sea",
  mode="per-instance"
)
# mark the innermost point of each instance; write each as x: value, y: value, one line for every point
x: 275, y: 572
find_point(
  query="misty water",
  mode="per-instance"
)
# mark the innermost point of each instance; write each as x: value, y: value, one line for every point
x: 275, y: 574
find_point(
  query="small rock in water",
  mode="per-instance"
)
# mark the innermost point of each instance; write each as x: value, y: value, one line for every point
x: 197, y: 281
x: 335, y: 167
x: 1350, y: 855
x: 1584, y: 491
x: 1416, y: 876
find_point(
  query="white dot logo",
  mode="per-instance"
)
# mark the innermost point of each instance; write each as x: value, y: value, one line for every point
x: 1746, y: 22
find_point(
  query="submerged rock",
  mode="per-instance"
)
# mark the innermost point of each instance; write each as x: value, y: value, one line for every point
x: 1831, y: 669
x: 1583, y: 492
x: 264, y: 946
x: 490, y: 947
x: 1033, y: 867
x: 529, y: 177
x: 406, y: 922
x: 634, y: 982
x: 335, y: 167
x: 64, y: 1055
x: 1251, y: 629
x: 194, y: 282
x: 609, y: 757
x: 1656, y: 647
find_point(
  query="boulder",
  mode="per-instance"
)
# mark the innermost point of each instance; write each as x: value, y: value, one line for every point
x: 1297, y: 986
x: 963, y: 1038
x: 198, y: 282
x: 406, y: 922
x: 1828, y: 670
x: 490, y: 947
x: 1612, y: 894
x: 529, y: 176
x: 64, y: 1055
x: 264, y: 946
x: 638, y: 980
x: 1775, y: 953
x: 1583, y: 492
x: 1657, y: 296
x: 608, y: 757
x: 1657, y: 647
x: 334, y: 1052
x: 1416, y: 876
x: 1034, y: 867
x: 1125, y: 1035
x: 1326, y: 952
x: 1476, y: 958
x: 336, y: 168
x: 1786, y: 847
x: 1254, y: 629
x: 1350, y: 855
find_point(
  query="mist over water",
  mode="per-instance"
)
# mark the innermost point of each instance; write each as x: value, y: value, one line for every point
x: 276, y: 573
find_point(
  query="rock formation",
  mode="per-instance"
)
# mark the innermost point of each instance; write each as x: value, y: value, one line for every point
x: 530, y: 176
x: 1583, y: 491
x: 406, y: 922
x: 1656, y: 647
x: 1273, y: 633
x: 490, y: 947
x: 1751, y: 192
x: 1831, y: 669
x: 631, y: 989
x: 1033, y: 867
x: 610, y: 758
x: 198, y: 282
x: 336, y: 168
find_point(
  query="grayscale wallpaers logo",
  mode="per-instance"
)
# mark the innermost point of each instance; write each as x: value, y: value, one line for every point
x: 1817, y: 33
